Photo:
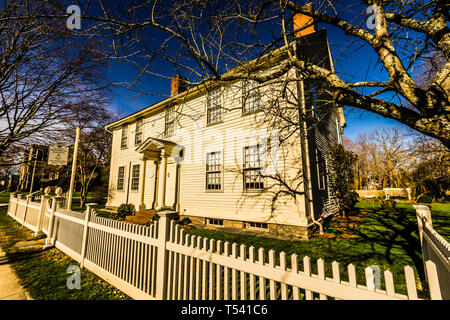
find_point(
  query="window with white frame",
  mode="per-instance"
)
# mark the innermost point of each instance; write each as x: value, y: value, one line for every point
x: 214, y: 107
x: 135, y: 177
x: 251, y: 97
x: 124, y: 138
x: 139, y: 129
x: 169, y: 124
x: 214, y: 170
x: 321, y: 173
x: 257, y: 225
x: 121, y: 178
x: 253, y: 179
x: 216, y: 222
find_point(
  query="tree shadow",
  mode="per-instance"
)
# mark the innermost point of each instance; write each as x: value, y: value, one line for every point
x: 392, y: 234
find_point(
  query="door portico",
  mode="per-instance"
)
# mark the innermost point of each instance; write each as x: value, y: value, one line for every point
x: 158, y: 151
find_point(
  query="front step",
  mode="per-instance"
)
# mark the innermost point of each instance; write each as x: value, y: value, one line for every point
x: 145, y: 213
x: 141, y: 217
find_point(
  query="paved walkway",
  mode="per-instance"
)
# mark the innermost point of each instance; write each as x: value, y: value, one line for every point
x: 10, y: 289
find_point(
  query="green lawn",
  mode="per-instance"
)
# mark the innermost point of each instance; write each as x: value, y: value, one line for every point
x: 4, y: 197
x: 44, y: 274
x: 388, y: 239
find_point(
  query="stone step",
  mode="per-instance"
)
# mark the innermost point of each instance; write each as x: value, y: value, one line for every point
x: 145, y: 213
x: 138, y: 219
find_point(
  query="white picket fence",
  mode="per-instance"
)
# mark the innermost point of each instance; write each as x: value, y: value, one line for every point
x: 162, y: 262
x: 434, y: 248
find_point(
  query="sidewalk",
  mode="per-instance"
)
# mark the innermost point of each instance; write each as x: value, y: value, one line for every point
x: 10, y: 289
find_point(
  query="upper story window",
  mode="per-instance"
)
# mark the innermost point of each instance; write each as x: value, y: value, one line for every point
x: 321, y: 172
x: 251, y: 97
x: 214, y: 170
x: 139, y: 131
x: 124, y: 139
x: 253, y: 179
x: 214, y: 107
x: 135, y: 177
x: 169, y: 124
x: 121, y: 178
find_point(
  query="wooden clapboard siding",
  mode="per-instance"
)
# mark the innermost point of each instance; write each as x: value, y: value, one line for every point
x: 231, y: 202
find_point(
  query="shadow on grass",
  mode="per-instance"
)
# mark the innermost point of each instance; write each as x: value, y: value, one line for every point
x: 396, y: 233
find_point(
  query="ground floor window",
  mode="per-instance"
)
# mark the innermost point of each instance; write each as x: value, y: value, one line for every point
x: 135, y: 178
x: 120, y: 178
x: 214, y: 170
x: 253, y: 179
x: 258, y: 225
x: 216, y: 222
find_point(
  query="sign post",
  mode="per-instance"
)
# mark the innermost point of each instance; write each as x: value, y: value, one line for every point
x: 74, y: 167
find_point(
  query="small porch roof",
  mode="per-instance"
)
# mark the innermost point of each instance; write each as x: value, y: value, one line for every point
x: 151, y: 148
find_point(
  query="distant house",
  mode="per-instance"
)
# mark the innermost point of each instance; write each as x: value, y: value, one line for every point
x: 212, y: 154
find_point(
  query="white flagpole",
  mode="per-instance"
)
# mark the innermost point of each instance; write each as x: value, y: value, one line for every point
x: 74, y: 167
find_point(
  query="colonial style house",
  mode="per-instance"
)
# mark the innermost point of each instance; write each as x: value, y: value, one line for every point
x: 236, y: 154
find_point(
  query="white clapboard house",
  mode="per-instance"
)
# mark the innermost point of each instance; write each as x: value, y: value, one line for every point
x: 221, y: 155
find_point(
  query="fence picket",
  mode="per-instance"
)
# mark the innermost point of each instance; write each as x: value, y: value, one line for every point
x: 370, y: 280
x: 351, y: 275
x: 197, y: 275
x: 226, y: 274
x: 219, y: 273
x: 204, y: 271
x: 212, y: 245
x: 262, y: 280
x: 234, y: 273
x: 321, y: 274
x: 433, y: 281
x: 272, y: 289
x: 251, y: 258
x: 191, y: 270
x: 284, y: 293
x: 389, y: 282
x: 410, y: 283
x: 307, y: 271
x: 186, y: 268
x: 294, y: 267
x: 242, y: 256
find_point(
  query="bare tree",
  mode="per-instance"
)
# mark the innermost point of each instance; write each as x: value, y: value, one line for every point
x: 43, y: 70
x: 205, y: 39
x: 94, y: 153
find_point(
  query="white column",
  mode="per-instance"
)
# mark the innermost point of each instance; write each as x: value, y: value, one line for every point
x: 142, y: 185
x: 162, y: 177
x: 155, y: 193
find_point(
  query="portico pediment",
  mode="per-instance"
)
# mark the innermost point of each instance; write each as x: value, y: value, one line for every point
x: 151, y: 149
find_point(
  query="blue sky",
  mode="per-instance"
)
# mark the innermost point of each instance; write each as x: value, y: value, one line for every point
x: 360, y: 65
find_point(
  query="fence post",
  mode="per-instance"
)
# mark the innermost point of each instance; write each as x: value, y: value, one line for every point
x: 44, y: 199
x: 50, y: 241
x: 165, y: 217
x: 421, y: 213
x: 26, y: 209
x: 87, y: 217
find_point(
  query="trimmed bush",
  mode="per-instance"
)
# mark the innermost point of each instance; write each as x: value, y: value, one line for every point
x: 125, y: 210
x: 425, y: 199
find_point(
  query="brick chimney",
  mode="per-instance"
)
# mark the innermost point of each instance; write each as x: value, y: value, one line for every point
x: 301, y: 20
x: 177, y: 85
